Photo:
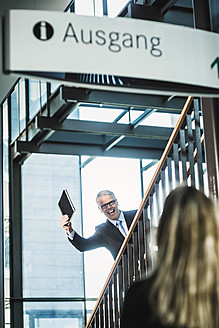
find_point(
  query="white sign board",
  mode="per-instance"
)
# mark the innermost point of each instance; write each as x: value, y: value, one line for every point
x: 45, y: 41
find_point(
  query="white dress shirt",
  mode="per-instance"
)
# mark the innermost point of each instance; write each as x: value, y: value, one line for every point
x: 122, y: 219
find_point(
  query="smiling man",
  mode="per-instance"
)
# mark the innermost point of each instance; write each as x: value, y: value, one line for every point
x: 110, y: 234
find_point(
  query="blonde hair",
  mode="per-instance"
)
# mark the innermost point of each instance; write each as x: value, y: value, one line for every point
x: 185, y: 282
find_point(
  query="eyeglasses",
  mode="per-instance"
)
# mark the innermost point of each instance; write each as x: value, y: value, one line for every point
x: 111, y: 203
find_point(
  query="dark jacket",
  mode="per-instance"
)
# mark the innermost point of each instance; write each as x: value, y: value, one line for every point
x: 137, y: 311
x: 106, y: 235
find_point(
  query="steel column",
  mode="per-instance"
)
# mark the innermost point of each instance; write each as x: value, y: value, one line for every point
x: 16, y: 245
x: 2, y: 298
x: 206, y: 17
x: 210, y: 108
x: 105, y: 7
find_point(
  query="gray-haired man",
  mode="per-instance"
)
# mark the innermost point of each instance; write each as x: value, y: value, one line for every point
x: 110, y: 234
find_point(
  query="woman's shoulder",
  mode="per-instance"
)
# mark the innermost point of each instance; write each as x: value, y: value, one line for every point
x: 137, y: 295
x: 137, y: 310
x: 140, y: 288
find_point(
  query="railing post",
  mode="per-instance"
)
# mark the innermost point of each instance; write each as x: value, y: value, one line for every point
x: 170, y: 174
x: 163, y: 183
x: 176, y: 160
x: 106, y: 309
x: 141, y: 242
x: 136, y: 255
x: 130, y: 264
x: 121, y: 288
x: 183, y: 153
x: 190, y: 148
x: 198, y: 142
x: 110, y: 305
x: 147, y: 252
x: 101, y: 315
x: 115, y: 299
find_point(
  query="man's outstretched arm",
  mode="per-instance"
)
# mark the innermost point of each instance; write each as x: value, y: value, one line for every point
x: 81, y: 243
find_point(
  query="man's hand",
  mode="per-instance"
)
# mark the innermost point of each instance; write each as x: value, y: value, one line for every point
x: 66, y: 224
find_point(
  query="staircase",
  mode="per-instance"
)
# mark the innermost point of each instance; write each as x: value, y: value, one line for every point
x: 182, y: 162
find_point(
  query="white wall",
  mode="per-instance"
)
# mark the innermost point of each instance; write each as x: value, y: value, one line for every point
x: 6, y: 81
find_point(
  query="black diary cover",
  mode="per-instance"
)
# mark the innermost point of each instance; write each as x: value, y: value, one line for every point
x: 65, y: 204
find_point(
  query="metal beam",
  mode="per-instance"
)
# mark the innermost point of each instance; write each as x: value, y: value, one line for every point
x: 114, y: 141
x: 118, y: 118
x: 148, y: 166
x: 103, y: 141
x: 142, y: 117
x: 85, y: 163
x: 162, y: 11
x: 164, y: 5
x: 103, y: 128
x: 89, y: 150
x: 127, y: 99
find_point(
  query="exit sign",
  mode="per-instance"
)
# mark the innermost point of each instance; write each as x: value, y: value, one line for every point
x: 117, y: 53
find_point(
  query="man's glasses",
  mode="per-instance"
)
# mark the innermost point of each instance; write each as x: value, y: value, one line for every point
x: 104, y: 206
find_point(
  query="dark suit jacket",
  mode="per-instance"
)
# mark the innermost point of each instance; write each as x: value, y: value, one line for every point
x: 106, y: 235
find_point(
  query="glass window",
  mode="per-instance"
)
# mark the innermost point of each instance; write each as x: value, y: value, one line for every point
x: 122, y: 176
x: 54, y: 86
x: 98, y: 8
x: 98, y: 114
x: 18, y: 109
x: 84, y: 7
x: 95, y: 7
x: 53, y: 314
x: 89, y: 308
x: 22, y: 104
x: 114, y: 7
x: 161, y: 119
x: 34, y: 102
x: 15, y: 114
x: 43, y: 92
x: 149, y: 168
x: 52, y: 267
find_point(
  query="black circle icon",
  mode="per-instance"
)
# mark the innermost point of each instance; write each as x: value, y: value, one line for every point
x: 43, y: 31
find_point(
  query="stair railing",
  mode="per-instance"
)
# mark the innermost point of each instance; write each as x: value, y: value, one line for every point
x: 182, y: 162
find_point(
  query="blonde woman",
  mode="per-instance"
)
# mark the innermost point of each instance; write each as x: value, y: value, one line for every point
x: 183, y: 290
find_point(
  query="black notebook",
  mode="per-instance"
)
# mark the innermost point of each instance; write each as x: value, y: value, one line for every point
x: 65, y: 204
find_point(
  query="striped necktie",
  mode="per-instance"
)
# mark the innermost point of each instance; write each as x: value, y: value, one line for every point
x: 121, y: 228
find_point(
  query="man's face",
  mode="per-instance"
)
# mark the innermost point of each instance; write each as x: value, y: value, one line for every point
x: 109, y: 206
